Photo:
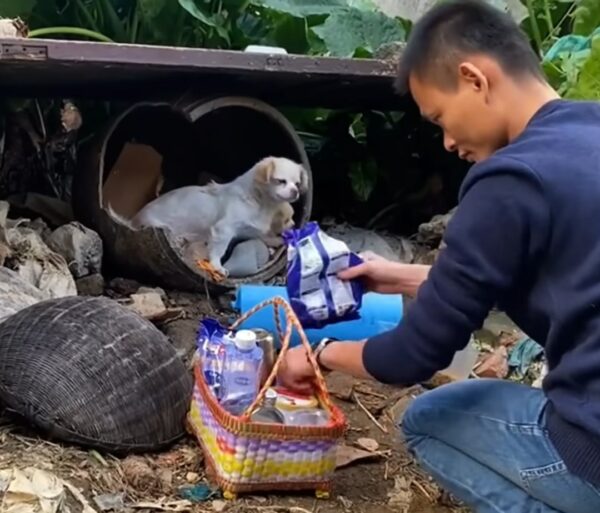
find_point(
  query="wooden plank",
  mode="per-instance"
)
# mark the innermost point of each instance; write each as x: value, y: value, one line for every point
x: 141, y: 72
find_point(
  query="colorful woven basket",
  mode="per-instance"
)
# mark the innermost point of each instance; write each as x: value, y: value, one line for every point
x: 244, y: 456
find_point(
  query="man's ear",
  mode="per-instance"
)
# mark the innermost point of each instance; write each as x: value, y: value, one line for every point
x: 264, y: 170
x: 303, y: 180
x: 474, y: 76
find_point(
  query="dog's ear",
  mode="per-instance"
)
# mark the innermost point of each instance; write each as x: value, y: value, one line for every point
x: 264, y: 170
x: 303, y: 180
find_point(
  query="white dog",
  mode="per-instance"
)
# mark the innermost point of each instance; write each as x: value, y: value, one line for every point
x: 244, y: 208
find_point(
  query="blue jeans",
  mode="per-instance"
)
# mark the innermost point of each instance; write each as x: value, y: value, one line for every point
x: 485, y: 442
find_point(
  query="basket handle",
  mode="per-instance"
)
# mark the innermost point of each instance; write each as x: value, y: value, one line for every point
x: 292, y: 321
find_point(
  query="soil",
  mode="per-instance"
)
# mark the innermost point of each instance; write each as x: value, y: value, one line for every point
x: 389, y: 482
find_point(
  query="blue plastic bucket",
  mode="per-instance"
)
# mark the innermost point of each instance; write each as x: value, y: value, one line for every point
x: 379, y: 313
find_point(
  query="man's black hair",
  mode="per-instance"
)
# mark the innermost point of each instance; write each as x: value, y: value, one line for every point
x: 453, y: 29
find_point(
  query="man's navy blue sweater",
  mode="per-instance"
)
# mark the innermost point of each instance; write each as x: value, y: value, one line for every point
x: 525, y: 237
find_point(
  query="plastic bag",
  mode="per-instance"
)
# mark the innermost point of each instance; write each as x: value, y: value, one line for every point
x: 211, y: 349
x: 316, y: 294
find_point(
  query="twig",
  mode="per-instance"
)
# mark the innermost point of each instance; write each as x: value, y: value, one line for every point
x: 368, y: 413
x: 422, y: 490
x: 386, y: 470
x: 370, y: 392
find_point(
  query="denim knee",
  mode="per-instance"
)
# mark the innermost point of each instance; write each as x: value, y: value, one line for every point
x: 415, y: 420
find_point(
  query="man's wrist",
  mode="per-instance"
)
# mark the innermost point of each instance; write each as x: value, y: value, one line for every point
x: 323, y: 343
x: 326, y: 357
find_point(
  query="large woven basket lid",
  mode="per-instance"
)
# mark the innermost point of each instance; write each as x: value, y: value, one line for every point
x: 90, y: 371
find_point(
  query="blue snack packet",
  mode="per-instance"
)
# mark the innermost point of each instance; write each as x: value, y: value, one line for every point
x: 210, y: 343
x: 316, y: 294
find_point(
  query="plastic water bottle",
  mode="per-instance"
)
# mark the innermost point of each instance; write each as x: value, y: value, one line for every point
x: 241, y: 372
x: 268, y: 412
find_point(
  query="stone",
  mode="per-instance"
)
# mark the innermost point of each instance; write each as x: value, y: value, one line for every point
x: 92, y: 285
x: 360, y: 240
x: 124, y: 286
x: 81, y: 247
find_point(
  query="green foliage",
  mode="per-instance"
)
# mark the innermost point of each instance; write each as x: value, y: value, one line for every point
x: 586, y: 17
x: 587, y: 85
x: 314, y: 27
x: 303, y: 8
x: 15, y: 8
x: 349, y: 31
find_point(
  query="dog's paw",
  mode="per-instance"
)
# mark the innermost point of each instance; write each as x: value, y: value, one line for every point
x: 217, y: 274
x: 273, y: 242
x: 220, y: 269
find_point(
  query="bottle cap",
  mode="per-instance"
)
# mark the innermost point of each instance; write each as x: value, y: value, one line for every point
x: 271, y: 394
x: 245, y: 339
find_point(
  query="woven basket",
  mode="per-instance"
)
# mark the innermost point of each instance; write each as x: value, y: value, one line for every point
x: 244, y: 456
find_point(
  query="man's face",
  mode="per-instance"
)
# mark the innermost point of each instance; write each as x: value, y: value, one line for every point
x: 473, y: 125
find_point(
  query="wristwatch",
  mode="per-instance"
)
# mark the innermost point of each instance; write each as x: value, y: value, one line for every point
x: 319, y: 349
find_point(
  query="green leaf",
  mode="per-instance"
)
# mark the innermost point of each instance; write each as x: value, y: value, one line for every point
x: 587, y: 86
x: 346, y: 31
x: 363, y: 5
x: 363, y: 178
x: 292, y: 34
x: 205, y: 18
x: 150, y: 9
x: 191, y: 7
x: 16, y: 8
x: 302, y: 8
x: 357, y: 129
x: 586, y: 17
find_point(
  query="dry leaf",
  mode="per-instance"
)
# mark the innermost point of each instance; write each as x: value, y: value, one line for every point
x: 368, y: 444
x: 400, y: 498
x: 346, y: 455
x: 138, y: 473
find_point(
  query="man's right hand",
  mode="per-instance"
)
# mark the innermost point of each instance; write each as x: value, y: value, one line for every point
x: 386, y: 277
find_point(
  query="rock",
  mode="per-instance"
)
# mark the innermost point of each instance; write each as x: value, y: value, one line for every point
x: 359, y: 240
x: 92, y: 285
x: 124, y: 286
x: 340, y: 385
x: 182, y: 334
x: 219, y: 506
x: 155, y: 290
x: 192, y: 477
x: 80, y: 246
x: 431, y: 233
x: 151, y: 306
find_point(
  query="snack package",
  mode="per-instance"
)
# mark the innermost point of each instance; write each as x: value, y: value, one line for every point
x: 316, y: 294
x: 211, y: 341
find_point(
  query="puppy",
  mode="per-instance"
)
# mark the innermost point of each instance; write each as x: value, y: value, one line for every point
x: 283, y: 219
x: 219, y: 213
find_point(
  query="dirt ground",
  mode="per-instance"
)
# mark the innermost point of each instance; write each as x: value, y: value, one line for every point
x: 387, y: 481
